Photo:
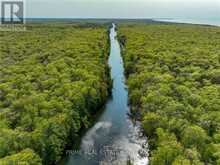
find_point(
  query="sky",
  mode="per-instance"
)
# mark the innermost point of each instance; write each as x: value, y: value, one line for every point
x: 123, y: 9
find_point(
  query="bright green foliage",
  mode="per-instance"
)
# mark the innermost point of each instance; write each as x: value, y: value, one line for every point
x: 194, y: 136
x: 168, y: 149
x: 181, y: 161
x: 173, y: 78
x: 25, y: 157
x: 53, y: 79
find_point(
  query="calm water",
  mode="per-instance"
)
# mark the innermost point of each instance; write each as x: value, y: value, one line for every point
x: 114, y: 139
x: 211, y: 21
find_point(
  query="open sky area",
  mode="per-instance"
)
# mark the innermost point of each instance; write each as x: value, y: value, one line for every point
x: 123, y: 9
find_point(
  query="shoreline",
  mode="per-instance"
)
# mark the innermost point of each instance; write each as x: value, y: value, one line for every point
x: 189, y: 21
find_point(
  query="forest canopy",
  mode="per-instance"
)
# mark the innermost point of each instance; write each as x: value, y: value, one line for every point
x: 173, y: 75
x: 53, y: 79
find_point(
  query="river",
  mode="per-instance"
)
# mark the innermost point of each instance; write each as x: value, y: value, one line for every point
x: 114, y: 139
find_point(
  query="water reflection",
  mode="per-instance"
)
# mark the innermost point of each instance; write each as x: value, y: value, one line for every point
x: 114, y: 139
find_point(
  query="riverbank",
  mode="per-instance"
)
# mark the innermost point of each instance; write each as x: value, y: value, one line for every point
x: 54, y: 79
x: 114, y: 138
x: 173, y: 80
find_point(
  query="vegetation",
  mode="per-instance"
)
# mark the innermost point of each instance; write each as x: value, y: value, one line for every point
x: 53, y: 79
x: 174, y: 82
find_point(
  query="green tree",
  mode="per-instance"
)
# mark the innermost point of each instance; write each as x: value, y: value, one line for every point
x: 26, y: 157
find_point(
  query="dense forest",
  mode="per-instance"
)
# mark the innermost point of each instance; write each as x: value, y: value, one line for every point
x: 173, y: 75
x: 53, y: 79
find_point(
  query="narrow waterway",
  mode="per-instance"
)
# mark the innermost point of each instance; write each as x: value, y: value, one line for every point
x: 114, y: 139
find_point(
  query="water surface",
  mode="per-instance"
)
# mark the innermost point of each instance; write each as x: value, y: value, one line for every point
x: 210, y: 21
x: 114, y: 139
